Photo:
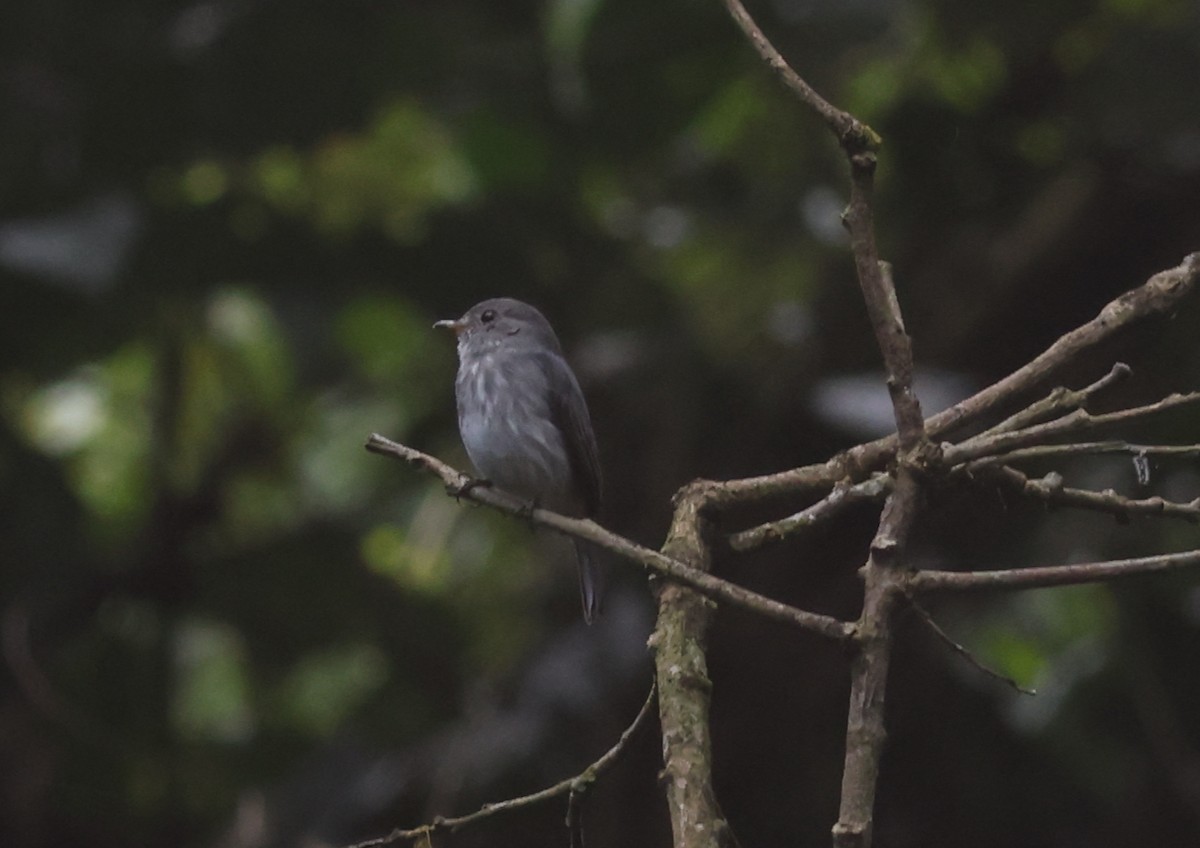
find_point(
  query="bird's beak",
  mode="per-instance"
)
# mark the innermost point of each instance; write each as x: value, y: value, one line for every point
x: 457, y: 325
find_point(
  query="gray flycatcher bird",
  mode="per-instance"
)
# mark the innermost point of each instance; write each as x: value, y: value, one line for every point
x: 524, y: 421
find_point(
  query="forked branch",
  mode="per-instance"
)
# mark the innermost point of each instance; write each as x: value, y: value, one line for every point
x: 1160, y: 295
x: 573, y: 787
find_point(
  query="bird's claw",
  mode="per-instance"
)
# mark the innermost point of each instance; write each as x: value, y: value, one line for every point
x: 526, y: 509
x: 465, y: 487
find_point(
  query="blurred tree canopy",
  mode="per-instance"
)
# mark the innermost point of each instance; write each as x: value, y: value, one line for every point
x: 225, y: 229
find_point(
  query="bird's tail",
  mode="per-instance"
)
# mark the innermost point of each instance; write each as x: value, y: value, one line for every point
x: 591, y: 579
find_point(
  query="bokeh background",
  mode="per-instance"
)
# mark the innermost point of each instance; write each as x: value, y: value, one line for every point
x: 225, y: 230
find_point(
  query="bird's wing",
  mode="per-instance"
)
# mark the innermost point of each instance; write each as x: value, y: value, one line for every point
x: 570, y: 413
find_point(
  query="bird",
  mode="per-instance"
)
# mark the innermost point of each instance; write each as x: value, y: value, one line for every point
x: 524, y: 421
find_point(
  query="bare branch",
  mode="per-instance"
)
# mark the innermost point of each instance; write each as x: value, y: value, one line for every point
x: 458, y: 484
x: 865, y: 734
x: 864, y: 726
x: 1050, y: 489
x: 572, y: 786
x: 894, y: 341
x: 1085, y: 448
x: 574, y: 820
x: 842, y: 497
x: 883, y: 308
x: 1052, y: 575
x: 1061, y: 400
x: 1160, y: 295
x: 679, y: 642
x: 884, y: 579
x: 1079, y: 421
x: 852, y: 134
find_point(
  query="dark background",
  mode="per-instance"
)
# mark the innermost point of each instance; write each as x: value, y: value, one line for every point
x: 225, y: 231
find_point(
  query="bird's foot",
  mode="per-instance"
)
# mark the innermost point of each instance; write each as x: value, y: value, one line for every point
x: 526, y: 512
x: 466, y: 487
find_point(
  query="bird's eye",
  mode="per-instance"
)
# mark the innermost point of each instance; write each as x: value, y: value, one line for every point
x: 488, y: 316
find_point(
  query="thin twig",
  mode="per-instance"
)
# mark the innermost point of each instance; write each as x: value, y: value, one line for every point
x: 1088, y: 448
x: 458, y: 485
x: 836, y: 502
x: 1159, y: 295
x: 883, y: 307
x: 963, y: 652
x: 574, y: 819
x: 1061, y: 400
x: 852, y: 133
x: 577, y: 785
x: 1079, y: 421
x: 1050, y: 490
x: 1051, y: 575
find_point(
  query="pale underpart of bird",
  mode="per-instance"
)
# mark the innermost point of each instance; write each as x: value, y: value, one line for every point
x: 524, y: 421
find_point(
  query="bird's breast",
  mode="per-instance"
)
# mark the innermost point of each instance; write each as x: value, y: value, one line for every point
x: 507, y: 427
